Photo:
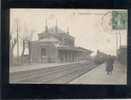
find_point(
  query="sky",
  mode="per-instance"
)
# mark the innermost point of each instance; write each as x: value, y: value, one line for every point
x: 91, y: 28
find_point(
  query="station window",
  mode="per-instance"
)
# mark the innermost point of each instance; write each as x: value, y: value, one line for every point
x: 43, y: 51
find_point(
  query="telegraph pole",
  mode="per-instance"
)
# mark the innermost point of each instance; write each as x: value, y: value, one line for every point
x: 56, y: 28
x: 46, y: 26
x: 17, y: 42
x: 117, y: 45
x: 120, y: 39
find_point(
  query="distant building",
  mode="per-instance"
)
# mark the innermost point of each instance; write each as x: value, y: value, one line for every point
x: 56, y: 46
x: 122, y: 54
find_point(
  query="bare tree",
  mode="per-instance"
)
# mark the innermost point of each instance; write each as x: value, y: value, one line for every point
x: 26, y: 44
x: 13, y: 42
x: 17, y: 38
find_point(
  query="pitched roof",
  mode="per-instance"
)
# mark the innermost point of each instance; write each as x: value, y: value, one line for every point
x: 49, y: 40
x: 80, y: 49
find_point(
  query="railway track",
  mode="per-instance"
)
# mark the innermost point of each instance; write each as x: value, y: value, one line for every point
x: 53, y: 75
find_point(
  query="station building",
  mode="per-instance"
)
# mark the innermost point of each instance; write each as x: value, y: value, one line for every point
x: 56, y: 46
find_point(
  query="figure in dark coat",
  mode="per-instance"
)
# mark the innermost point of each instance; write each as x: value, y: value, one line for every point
x: 109, y: 66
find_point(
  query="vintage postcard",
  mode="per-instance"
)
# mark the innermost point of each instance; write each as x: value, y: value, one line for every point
x: 68, y: 46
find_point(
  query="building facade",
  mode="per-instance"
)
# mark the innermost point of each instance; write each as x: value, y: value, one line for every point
x: 56, y: 46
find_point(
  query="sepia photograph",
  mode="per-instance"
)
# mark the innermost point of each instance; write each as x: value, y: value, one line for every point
x: 68, y: 46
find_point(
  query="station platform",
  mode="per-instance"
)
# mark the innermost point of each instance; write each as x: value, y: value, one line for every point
x: 34, y: 66
x: 99, y: 76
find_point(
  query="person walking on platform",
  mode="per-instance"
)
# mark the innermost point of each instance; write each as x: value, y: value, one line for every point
x: 109, y: 65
